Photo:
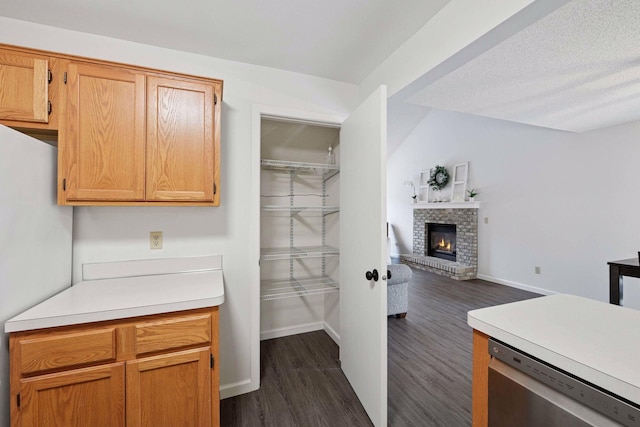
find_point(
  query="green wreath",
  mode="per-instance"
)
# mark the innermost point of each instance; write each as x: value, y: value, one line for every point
x: 439, y: 177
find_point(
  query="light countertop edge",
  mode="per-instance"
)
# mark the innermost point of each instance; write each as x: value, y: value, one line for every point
x: 504, y: 324
x: 113, y: 299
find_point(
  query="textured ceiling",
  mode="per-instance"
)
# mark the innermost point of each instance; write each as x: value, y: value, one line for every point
x: 336, y: 39
x: 576, y: 69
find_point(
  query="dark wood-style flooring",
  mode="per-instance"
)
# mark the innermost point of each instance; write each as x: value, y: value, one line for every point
x: 429, y: 377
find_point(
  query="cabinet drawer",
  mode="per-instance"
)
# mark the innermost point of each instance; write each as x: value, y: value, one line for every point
x: 66, y: 350
x: 171, y: 333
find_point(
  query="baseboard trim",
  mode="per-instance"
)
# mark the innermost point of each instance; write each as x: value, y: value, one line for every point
x: 237, y: 388
x: 332, y: 333
x: 516, y: 285
x: 292, y: 330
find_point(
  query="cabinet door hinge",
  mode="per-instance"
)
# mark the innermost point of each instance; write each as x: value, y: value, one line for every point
x: 212, y: 361
x: 64, y: 77
x: 64, y: 184
x: 215, y: 99
x: 18, y: 400
x: 49, y: 76
x: 49, y: 107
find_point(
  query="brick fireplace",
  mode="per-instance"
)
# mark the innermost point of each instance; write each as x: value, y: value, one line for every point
x: 465, y: 220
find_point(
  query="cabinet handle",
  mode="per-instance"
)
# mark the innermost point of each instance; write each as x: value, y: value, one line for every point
x: 49, y: 107
x: 49, y: 76
x: 64, y: 184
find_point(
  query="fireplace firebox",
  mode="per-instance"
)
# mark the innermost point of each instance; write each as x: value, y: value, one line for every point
x: 441, y: 241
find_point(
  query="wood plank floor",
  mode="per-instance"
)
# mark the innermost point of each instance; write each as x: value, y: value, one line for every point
x: 429, y: 374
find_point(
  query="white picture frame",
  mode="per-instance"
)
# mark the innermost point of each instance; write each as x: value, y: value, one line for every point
x: 459, y: 184
x: 423, y: 186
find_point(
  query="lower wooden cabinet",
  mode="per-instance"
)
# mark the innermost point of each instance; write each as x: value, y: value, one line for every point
x: 83, y: 397
x: 170, y: 390
x: 158, y: 370
x: 480, y: 380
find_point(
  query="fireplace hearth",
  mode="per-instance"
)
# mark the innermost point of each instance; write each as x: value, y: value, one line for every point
x: 462, y: 251
x: 441, y: 241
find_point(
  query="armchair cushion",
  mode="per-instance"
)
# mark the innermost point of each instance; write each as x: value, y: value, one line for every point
x: 398, y: 290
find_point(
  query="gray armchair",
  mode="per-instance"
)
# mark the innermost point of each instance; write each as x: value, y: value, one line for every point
x: 398, y: 290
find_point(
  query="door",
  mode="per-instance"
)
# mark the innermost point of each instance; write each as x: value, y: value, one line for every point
x: 103, y: 151
x: 83, y: 397
x: 180, y: 140
x: 170, y: 390
x: 363, y: 303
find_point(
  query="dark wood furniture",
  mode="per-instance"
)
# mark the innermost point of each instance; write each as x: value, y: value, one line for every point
x: 617, y: 269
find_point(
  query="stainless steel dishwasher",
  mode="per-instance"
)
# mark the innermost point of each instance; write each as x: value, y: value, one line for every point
x: 527, y: 392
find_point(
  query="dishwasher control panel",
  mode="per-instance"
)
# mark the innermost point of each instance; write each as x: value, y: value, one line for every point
x: 607, y: 403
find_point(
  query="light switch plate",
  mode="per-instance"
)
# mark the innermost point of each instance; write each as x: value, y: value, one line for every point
x: 155, y: 239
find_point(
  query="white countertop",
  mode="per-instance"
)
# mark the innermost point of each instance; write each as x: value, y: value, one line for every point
x: 595, y: 341
x: 122, y: 297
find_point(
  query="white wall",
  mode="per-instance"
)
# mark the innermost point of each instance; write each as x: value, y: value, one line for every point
x: 35, y: 236
x: 120, y: 233
x: 545, y: 193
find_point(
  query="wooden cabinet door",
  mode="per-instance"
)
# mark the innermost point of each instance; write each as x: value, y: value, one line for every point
x: 84, y: 397
x: 170, y: 390
x: 180, y: 140
x: 104, y: 145
x: 23, y: 87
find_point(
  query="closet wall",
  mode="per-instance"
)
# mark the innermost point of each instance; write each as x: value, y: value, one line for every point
x: 298, y: 212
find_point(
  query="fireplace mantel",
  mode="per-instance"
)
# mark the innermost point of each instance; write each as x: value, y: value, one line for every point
x: 446, y: 205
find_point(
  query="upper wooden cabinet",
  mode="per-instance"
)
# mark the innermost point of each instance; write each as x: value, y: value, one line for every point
x: 30, y: 95
x: 136, y: 137
x: 127, y: 135
x: 25, y: 87
x: 103, y: 146
x: 180, y: 140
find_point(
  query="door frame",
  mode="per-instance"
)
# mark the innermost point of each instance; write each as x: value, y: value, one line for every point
x: 291, y: 115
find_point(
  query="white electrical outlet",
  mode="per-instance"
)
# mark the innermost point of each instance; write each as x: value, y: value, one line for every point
x: 537, y: 269
x: 155, y: 239
x: 486, y: 220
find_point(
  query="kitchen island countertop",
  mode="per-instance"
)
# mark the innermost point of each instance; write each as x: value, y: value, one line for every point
x: 592, y: 340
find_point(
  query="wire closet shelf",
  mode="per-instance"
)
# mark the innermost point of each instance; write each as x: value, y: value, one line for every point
x: 273, y: 254
x: 287, y: 288
x: 325, y: 170
x: 294, y: 286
